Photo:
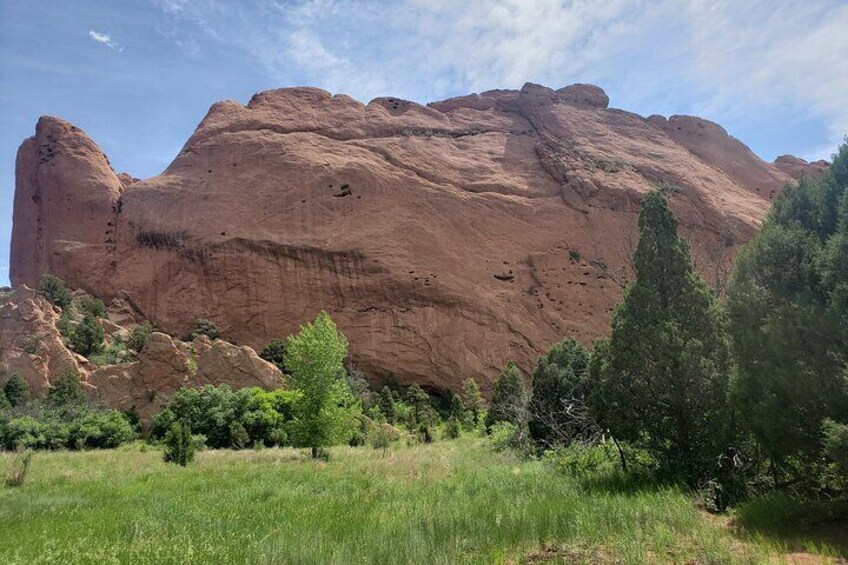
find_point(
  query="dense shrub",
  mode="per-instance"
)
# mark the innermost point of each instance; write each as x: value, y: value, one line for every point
x: 66, y: 391
x: 213, y: 411
x: 100, y: 430
x: 114, y: 353
x: 87, y: 338
x: 16, y: 390
x: 505, y: 436
x: 836, y: 442
x: 179, y: 445
x: 472, y: 400
x: 204, y: 327
x: 453, y: 429
x: 275, y: 352
x: 139, y: 336
x: 93, y: 306
x: 28, y: 432
x: 238, y: 436
x: 18, y: 469
x: 53, y: 288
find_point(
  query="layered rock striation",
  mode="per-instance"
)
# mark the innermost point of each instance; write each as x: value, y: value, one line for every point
x: 444, y: 239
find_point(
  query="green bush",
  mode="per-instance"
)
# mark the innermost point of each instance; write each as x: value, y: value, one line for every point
x: 17, y: 472
x: 111, y: 354
x: 836, y: 442
x: 139, y: 337
x: 16, y: 390
x: 101, y: 430
x: 204, y: 327
x: 93, y: 306
x: 275, y: 352
x: 504, y: 436
x: 66, y: 391
x: 238, y: 436
x: 28, y: 432
x: 266, y: 417
x: 87, y: 338
x: 179, y: 445
x: 53, y: 288
x: 509, y: 400
x: 453, y: 429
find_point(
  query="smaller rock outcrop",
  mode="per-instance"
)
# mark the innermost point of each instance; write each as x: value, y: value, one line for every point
x: 32, y: 346
x: 587, y: 95
x: 239, y: 367
x: 796, y: 167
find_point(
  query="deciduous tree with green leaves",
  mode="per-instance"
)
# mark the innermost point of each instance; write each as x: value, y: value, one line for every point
x: 314, y: 358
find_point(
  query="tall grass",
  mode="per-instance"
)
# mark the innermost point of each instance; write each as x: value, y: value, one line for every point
x: 448, y: 502
x: 18, y: 467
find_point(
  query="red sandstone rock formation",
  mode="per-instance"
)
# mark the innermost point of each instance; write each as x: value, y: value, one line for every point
x: 796, y: 167
x: 32, y: 346
x: 443, y: 239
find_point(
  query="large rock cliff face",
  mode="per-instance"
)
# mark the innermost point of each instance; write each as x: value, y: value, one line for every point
x: 443, y: 239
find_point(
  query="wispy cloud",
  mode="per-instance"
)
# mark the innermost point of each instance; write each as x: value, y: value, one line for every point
x: 720, y: 58
x: 106, y: 40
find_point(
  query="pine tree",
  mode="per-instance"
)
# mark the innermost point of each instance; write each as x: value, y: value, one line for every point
x: 472, y: 399
x: 179, y: 447
x: 665, y: 379
x: 87, y: 338
x: 509, y: 400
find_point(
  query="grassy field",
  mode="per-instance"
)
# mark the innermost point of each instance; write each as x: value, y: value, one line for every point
x: 449, y: 502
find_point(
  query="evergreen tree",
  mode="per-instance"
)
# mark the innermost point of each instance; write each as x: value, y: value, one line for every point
x: 16, y: 390
x: 53, y: 288
x: 665, y: 376
x: 66, y: 391
x: 315, y: 358
x: 788, y: 303
x: 87, y: 338
x: 472, y: 399
x: 387, y: 402
x: 509, y: 400
x: 275, y: 352
x: 179, y: 446
x: 558, y: 404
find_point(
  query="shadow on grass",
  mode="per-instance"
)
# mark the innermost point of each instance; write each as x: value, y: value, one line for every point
x: 618, y: 482
x: 796, y: 523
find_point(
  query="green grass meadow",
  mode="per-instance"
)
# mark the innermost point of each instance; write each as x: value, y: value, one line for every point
x: 448, y: 502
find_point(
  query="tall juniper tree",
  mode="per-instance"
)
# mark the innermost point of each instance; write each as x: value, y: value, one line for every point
x: 665, y: 379
x: 788, y: 303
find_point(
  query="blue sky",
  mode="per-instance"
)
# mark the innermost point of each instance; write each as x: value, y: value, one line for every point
x: 139, y: 75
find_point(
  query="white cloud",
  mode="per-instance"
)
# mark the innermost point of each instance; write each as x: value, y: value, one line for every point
x: 721, y: 58
x: 104, y: 39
